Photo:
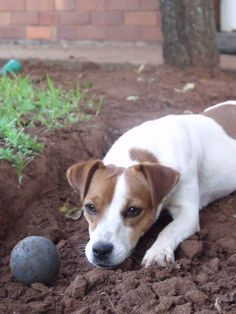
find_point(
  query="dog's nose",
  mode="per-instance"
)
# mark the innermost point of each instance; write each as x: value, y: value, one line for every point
x: 101, y: 250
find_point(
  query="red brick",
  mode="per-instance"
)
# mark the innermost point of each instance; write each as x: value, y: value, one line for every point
x: 149, y: 4
x: 5, y: 18
x: 12, y: 32
x: 107, y: 18
x: 70, y: 18
x: 65, y: 5
x: 123, y: 4
x: 12, y: 5
x: 48, y: 18
x: 39, y: 32
x: 90, y: 32
x: 39, y: 5
x: 24, y: 18
x: 67, y: 32
x: 123, y: 33
x: 141, y: 18
x: 91, y: 5
x: 151, y: 34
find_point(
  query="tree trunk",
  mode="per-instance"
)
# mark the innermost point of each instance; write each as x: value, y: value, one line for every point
x: 189, y: 33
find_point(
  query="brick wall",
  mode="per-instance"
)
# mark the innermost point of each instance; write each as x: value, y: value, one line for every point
x: 55, y: 20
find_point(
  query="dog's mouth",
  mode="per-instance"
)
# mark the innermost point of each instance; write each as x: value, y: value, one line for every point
x: 104, y: 265
x: 108, y: 263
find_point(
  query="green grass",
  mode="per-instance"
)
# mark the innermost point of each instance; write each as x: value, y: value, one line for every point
x: 23, y: 105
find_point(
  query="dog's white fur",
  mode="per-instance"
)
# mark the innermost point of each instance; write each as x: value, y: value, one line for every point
x: 204, y: 155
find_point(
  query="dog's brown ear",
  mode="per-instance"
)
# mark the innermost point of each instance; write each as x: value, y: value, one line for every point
x: 161, y: 179
x: 80, y: 175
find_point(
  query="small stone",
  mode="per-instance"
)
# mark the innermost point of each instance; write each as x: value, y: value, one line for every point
x: 140, y: 79
x: 132, y: 98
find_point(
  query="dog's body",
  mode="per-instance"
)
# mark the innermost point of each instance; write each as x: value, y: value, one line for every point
x: 178, y: 162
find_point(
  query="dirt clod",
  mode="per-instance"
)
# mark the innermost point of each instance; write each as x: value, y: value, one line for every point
x: 196, y: 297
x: 183, y: 309
x: 77, y: 289
x: 191, y: 248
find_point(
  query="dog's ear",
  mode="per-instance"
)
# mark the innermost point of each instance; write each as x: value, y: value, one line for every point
x: 161, y: 179
x: 80, y: 175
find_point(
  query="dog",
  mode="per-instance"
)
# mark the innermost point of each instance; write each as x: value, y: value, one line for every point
x: 178, y: 162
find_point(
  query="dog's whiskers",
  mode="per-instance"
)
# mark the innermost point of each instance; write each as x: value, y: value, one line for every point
x: 81, y: 249
x: 81, y: 246
x: 82, y: 253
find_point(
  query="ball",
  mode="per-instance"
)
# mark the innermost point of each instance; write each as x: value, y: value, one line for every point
x: 35, y: 259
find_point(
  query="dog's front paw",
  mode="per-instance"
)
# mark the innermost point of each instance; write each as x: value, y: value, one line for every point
x: 161, y: 256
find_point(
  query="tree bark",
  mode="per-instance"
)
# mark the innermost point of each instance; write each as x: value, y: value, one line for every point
x: 189, y: 35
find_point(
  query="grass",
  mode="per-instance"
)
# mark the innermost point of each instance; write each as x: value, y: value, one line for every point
x: 23, y: 106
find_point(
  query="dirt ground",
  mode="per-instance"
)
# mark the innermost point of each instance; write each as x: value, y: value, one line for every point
x: 203, y: 280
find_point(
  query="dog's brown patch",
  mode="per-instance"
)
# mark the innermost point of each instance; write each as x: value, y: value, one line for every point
x: 142, y: 155
x: 148, y: 184
x: 139, y: 196
x: 80, y: 175
x: 225, y: 115
x: 101, y: 191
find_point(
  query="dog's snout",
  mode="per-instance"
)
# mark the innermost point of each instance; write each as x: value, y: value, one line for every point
x: 101, y: 250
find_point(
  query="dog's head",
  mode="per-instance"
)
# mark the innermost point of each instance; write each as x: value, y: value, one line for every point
x: 119, y: 204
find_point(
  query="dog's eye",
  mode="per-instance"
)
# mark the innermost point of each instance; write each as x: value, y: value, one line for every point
x: 90, y: 209
x: 132, y: 212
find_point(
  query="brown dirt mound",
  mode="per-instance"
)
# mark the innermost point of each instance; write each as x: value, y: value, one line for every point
x: 203, y: 280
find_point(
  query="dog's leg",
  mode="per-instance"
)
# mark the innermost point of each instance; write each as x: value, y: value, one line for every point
x: 185, y: 223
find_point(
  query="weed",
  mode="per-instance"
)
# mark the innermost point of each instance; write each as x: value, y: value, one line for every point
x: 22, y: 105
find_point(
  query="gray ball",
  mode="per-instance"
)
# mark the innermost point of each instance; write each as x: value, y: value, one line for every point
x: 35, y: 259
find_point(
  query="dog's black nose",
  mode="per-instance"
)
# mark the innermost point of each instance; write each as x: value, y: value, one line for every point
x: 101, y: 250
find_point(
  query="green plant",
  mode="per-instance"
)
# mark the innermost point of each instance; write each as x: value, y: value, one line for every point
x: 16, y: 146
x: 23, y: 105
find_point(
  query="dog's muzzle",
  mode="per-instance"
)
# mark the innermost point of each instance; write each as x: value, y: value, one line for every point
x: 101, y: 253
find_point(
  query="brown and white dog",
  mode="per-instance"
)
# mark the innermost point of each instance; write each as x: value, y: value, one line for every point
x: 178, y: 162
